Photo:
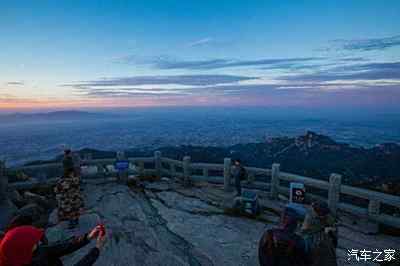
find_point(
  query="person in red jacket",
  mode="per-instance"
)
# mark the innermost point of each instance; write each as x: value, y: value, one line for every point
x: 22, y: 246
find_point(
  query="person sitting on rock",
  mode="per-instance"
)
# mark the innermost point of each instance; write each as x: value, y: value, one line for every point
x: 69, y: 197
x: 239, y: 173
x: 282, y: 246
x: 23, y: 246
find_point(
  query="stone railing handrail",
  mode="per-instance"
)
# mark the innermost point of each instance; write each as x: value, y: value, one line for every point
x: 271, y: 183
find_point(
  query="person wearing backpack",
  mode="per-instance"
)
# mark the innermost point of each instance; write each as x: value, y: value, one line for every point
x: 239, y: 173
x: 318, y: 224
x: 320, y: 234
x: 282, y: 246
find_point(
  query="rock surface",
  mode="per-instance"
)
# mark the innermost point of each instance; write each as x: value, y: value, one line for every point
x: 7, y: 211
x: 167, y: 225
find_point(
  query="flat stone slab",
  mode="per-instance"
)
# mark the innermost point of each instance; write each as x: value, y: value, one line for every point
x: 170, y: 225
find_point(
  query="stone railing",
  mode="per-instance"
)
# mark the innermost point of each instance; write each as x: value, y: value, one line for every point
x: 268, y: 180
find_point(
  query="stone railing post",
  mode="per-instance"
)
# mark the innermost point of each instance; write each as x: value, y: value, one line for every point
x: 3, y: 182
x: 251, y: 177
x: 373, y: 212
x: 205, y: 172
x: 173, y: 170
x: 186, y: 171
x: 122, y: 174
x: 275, y: 173
x: 158, y: 164
x: 335, y: 182
x: 227, y: 173
x: 141, y: 169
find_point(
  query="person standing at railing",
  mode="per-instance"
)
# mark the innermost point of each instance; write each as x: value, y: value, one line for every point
x: 68, y: 163
x: 77, y: 163
x: 239, y: 173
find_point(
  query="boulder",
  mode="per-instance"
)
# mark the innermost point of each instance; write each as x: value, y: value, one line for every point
x: 7, y: 212
x: 16, y: 198
x: 37, y: 199
x: 53, y: 218
x: 134, y: 181
x: 61, y: 232
x: 21, y: 176
x: 32, y: 196
x: 32, y: 210
x: 157, y: 186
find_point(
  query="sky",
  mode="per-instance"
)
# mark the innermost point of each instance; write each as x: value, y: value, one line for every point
x: 109, y: 54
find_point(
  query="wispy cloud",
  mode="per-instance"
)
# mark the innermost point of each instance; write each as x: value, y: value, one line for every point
x: 18, y: 83
x: 226, y: 63
x: 370, y: 71
x: 352, y: 59
x: 171, y: 63
x: 194, y: 80
x: 201, y: 42
x: 369, y: 44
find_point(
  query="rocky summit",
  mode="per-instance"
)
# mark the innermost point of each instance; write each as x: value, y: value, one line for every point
x: 167, y: 224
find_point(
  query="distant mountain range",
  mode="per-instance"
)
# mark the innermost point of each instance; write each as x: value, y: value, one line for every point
x: 57, y: 115
x: 311, y: 155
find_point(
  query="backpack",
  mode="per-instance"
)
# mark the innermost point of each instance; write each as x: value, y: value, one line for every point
x: 276, y: 248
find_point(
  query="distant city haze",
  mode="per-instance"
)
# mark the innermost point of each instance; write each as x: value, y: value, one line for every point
x: 26, y: 137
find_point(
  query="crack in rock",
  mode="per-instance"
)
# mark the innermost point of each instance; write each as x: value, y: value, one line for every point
x: 204, y: 213
x: 177, y: 244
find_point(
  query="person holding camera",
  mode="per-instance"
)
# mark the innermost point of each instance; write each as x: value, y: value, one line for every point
x: 25, y: 246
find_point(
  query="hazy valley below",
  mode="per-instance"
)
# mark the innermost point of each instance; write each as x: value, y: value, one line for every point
x: 33, y: 137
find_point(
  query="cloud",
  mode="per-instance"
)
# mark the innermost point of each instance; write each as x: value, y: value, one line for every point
x: 369, y: 44
x: 370, y: 71
x: 201, y: 42
x: 168, y: 63
x: 193, y: 80
x: 209, y: 91
x: 157, y: 86
x: 226, y: 63
x: 352, y: 59
x: 133, y: 93
x: 19, y: 83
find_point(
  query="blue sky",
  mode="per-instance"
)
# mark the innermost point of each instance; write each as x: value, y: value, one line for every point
x: 144, y: 53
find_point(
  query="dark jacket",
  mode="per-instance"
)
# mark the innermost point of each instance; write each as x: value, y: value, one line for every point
x: 49, y: 255
x: 239, y: 173
x: 68, y: 163
x: 279, y: 247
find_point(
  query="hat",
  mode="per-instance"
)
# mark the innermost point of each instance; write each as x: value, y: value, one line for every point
x: 16, y: 248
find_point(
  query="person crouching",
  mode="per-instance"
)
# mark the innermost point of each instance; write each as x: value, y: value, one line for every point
x: 69, y: 198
